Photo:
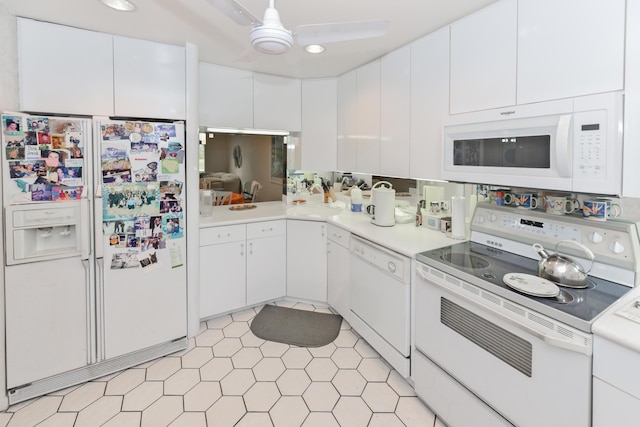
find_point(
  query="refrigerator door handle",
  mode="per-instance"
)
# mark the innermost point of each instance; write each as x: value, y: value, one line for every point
x: 85, y: 243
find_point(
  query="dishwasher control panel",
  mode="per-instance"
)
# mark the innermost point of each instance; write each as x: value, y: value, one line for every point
x: 384, y: 259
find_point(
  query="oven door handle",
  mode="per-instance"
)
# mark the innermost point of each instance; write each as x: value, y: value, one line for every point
x: 551, y: 340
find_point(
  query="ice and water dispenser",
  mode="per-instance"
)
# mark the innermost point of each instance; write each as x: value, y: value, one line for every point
x: 42, y: 232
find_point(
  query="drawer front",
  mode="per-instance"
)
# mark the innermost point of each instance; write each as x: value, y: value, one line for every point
x: 257, y: 230
x: 338, y: 235
x: 228, y: 233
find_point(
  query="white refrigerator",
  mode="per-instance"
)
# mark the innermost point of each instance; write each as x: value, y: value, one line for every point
x: 94, y: 222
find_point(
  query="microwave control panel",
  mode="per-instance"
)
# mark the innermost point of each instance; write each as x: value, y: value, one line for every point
x: 590, y: 157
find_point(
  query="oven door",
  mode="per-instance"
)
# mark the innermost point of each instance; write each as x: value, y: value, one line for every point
x: 530, y: 369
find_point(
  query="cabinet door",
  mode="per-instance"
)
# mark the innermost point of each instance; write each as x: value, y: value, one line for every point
x: 395, y: 112
x: 483, y: 58
x: 429, y: 103
x: 222, y: 278
x: 347, y: 121
x: 630, y: 170
x: 266, y: 269
x: 569, y: 48
x: 225, y: 97
x: 64, y: 70
x: 368, y: 142
x: 149, y: 79
x: 276, y: 102
x: 319, y: 145
x: 612, y: 406
x: 338, y: 270
x: 307, y: 260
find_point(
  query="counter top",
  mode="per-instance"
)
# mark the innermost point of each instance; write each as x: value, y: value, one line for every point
x: 615, y: 326
x: 406, y: 239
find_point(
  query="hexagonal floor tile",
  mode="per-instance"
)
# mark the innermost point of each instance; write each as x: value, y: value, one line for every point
x: 296, y: 358
x: 181, y: 382
x: 163, y: 369
x: 59, y: 419
x: 289, y: 411
x: 162, y: 412
x: 236, y: 329
x: 250, y: 340
x: 237, y: 382
x: 293, y: 382
x: 202, y: 396
x: 142, y: 396
x: 346, y: 358
x: 380, y: 397
x: 374, y: 369
x: 320, y: 419
x: 304, y: 306
x: 35, y: 411
x: 82, y: 397
x: 321, y: 369
x: 385, y: 420
x: 349, y: 382
x: 413, y: 413
x: 365, y: 349
x: 324, y: 351
x: 190, y: 419
x: 227, y: 347
x: 261, y: 397
x: 209, y: 338
x: 197, y: 357
x: 247, y: 357
x: 269, y: 369
x: 244, y: 315
x: 125, y: 382
x: 219, y: 322
x: 273, y: 349
x: 400, y: 385
x: 99, y: 412
x: 321, y: 396
x: 226, y: 412
x: 216, y: 369
x: 352, y: 412
x: 255, y: 419
x: 125, y: 419
x: 346, y: 338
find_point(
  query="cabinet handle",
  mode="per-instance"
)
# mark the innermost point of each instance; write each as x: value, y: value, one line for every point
x: 241, y: 249
x: 250, y: 248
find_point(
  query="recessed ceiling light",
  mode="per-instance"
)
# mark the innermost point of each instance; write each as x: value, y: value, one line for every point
x: 314, y: 48
x: 124, y: 5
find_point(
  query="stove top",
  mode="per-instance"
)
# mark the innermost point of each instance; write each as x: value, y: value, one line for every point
x: 500, y: 239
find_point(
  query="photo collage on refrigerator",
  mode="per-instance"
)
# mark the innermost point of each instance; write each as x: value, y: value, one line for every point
x: 143, y: 201
x: 44, y: 157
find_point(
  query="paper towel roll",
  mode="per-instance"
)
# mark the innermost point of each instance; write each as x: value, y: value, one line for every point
x: 457, y: 217
x: 432, y: 194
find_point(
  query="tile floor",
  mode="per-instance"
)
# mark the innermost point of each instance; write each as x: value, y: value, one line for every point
x: 229, y: 377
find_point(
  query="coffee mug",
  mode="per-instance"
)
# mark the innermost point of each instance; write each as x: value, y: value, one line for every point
x: 356, y: 207
x: 526, y: 200
x: 595, y: 210
x: 613, y: 210
x: 500, y: 197
x: 434, y: 207
x: 560, y: 205
x: 371, y: 209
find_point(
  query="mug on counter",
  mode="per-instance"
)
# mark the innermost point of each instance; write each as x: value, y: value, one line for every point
x: 526, y: 200
x: 560, y: 205
x: 500, y: 197
x: 600, y: 209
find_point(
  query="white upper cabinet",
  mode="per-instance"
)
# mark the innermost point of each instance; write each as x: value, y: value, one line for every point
x: 368, y: 118
x: 483, y: 58
x: 630, y: 170
x: 64, y: 70
x: 319, y: 124
x: 276, y: 102
x: 347, y: 121
x: 150, y: 79
x: 569, y: 48
x: 429, y: 103
x: 225, y: 97
x: 395, y: 112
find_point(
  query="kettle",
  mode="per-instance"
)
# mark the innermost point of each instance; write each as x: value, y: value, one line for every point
x: 383, y: 204
x: 562, y: 269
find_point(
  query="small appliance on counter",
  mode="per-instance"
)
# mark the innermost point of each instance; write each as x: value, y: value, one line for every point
x: 383, y: 204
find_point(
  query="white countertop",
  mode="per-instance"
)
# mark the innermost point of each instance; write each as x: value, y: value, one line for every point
x: 615, y: 327
x: 406, y: 239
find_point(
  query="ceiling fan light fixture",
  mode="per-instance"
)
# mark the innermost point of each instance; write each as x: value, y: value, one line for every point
x: 271, y: 40
x: 122, y: 5
x: 314, y: 48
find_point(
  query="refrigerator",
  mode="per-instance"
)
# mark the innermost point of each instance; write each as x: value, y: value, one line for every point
x: 95, y: 247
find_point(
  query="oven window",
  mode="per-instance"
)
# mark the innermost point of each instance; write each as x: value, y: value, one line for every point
x: 509, y: 152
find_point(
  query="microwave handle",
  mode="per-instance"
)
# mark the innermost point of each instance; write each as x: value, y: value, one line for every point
x: 564, y: 158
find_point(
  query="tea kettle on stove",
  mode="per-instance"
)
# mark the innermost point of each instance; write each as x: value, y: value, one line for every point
x: 562, y: 269
x: 383, y: 204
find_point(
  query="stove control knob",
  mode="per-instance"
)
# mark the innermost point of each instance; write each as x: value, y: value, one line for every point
x: 493, y: 217
x: 616, y: 247
x: 596, y: 237
x: 480, y: 219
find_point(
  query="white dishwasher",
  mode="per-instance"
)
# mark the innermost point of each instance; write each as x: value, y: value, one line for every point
x: 379, y: 296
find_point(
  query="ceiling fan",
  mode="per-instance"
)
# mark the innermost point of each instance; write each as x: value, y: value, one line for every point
x: 270, y: 36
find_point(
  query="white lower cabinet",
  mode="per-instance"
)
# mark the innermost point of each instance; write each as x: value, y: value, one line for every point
x: 241, y: 265
x: 338, y: 270
x: 266, y: 261
x: 307, y: 260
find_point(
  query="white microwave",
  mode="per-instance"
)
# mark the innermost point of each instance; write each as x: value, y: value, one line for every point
x: 568, y: 145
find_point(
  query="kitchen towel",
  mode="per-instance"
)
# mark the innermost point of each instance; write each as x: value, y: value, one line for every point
x: 458, y: 226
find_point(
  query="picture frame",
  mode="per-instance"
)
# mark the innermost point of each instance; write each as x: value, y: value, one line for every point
x: 277, y: 160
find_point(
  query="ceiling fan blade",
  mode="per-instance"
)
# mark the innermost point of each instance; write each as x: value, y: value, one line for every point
x: 237, y: 12
x: 340, y: 31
